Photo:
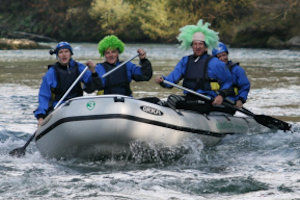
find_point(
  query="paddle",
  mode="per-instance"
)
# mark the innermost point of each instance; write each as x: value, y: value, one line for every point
x: 114, y: 69
x: 21, y: 150
x: 264, y: 120
x: 120, y: 65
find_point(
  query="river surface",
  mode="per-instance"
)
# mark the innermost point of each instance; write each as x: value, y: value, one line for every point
x: 245, y: 166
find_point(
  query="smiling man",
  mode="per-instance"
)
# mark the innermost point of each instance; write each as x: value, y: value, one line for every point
x: 59, y: 77
x: 118, y: 82
x: 200, y: 71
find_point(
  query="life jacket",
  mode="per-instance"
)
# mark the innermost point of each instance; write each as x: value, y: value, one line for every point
x: 118, y: 82
x: 196, y: 76
x: 65, y: 77
x: 230, y: 65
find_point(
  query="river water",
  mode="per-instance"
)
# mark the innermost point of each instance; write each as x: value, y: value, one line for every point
x: 257, y: 166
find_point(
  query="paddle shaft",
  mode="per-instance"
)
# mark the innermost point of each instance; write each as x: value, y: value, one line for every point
x: 187, y: 89
x: 261, y: 119
x: 247, y: 112
x: 120, y: 65
x: 206, y: 98
x: 71, y: 87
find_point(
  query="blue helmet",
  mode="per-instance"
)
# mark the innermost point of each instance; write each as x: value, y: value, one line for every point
x: 221, y: 48
x: 61, y: 45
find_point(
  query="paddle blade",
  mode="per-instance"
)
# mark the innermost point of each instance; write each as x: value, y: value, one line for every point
x: 272, y: 122
x: 18, y: 152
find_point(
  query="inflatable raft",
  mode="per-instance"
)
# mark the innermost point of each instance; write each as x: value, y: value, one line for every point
x: 95, y: 126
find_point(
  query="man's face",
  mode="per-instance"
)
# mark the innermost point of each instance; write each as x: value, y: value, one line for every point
x: 223, y: 57
x: 199, y: 47
x: 64, y: 56
x: 111, y: 56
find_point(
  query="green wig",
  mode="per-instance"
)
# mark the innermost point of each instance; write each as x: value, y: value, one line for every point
x: 110, y: 42
x: 187, y: 32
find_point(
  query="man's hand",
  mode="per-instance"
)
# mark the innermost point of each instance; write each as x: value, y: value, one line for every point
x: 142, y: 53
x: 239, y: 104
x: 218, y: 100
x: 91, y: 66
x: 40, y: 121
x: 159, y: 79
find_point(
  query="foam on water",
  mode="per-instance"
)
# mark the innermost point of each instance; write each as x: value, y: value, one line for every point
x: 275, y: 101
x: 254, y: 166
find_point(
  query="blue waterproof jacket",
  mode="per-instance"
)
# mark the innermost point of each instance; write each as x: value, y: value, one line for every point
x: 49, y: 82
x: 133, y: 72
x: 216, y: 70
x: 240, y: 81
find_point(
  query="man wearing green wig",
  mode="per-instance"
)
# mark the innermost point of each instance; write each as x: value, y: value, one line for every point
x: 200, y: 72
x: 119, y: 81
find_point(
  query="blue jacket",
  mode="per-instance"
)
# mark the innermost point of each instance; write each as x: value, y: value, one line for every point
x: 216, y: 70
x: 133, y: 72
x: 240, y: 81
x: 49, y: 82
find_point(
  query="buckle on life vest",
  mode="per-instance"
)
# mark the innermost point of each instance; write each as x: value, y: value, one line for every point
x: 236, y: 90
x: 100, y: 92
x: 214, y: 86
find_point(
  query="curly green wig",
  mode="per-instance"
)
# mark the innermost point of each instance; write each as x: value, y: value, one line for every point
x: 187, y: 32
x: 110, y: 42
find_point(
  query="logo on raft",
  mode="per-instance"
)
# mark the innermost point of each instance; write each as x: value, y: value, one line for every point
x: 90, y: 105
x: 152, y: 111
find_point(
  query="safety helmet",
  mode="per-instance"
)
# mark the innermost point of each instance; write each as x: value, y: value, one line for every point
x: 221, y: 48
x: 59, y: 46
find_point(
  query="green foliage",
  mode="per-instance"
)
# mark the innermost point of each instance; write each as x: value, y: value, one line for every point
x: 155, y: 22
x: 239, y: 22
x: 272, y: 20
x: 145, y: 19
x: 113, y: 17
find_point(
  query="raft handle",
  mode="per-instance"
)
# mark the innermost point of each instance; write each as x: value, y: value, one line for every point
x: 119, y: 99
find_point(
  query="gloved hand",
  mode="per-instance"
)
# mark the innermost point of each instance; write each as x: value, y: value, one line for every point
x: 173, y: 100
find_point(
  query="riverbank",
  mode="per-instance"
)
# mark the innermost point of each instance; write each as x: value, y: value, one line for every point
x: 273, y: 43
x: 14, y: 44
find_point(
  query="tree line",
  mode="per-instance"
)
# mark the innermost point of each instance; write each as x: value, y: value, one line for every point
x: 255, y: 23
